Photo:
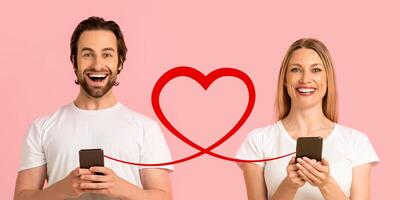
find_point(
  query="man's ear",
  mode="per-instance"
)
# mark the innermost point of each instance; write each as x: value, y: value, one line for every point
x: 75, y: 69
x: 119, y: 69
x: 73, y: 65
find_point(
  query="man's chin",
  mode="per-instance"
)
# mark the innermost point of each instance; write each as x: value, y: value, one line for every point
x: 96, y: 92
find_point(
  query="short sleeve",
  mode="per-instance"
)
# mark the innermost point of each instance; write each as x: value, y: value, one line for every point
x: 155, y: 148
x: 364, y: 152
x: 32, y: 154
x: 252, y: 147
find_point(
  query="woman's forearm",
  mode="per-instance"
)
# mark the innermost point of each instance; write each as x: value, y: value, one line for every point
x: 332, y: 191
x: 285, y: 191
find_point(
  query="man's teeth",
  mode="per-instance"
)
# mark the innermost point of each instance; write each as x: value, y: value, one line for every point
x: 306, y: 90
x: 97, y: 75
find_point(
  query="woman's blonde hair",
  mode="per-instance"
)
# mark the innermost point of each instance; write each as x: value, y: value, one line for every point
x: 329, y: 102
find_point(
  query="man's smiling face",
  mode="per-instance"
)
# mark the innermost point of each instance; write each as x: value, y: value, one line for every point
x: 97, y: 62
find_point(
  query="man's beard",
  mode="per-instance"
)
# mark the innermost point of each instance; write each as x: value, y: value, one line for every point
x: 97, y: 92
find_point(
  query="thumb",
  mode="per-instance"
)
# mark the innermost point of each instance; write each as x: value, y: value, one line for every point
x: 292, y: 160
x: 324, y: 162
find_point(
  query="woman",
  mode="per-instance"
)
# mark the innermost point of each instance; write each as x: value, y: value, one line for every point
x: 306, y: 106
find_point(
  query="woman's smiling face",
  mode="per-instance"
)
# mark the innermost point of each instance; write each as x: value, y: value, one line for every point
x: 305, y: 78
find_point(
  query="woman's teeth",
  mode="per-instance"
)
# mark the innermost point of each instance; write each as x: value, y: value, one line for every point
x: 306, y: 90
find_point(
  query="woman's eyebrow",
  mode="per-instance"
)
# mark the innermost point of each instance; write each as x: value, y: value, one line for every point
x: 296, y: 64
x: 316, y: 64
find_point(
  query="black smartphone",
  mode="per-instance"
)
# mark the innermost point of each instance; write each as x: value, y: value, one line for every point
x: 91, y: 157
x: 310, y: 147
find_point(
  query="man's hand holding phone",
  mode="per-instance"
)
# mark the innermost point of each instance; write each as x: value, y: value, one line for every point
x: 70, y: 186
x: 95, y: 178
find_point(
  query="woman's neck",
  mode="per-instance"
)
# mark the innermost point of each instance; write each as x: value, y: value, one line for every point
x: 307, y: 122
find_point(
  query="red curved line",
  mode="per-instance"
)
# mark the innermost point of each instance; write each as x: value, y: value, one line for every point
x: 197, y: 155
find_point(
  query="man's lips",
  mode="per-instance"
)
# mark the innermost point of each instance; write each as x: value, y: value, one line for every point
x: 97, y: 77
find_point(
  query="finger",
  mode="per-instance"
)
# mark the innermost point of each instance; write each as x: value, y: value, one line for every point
x: 94, y: 186
x: 99, y: 191
x: 309, y: 175
x: 83, y: 181
x: 292, y: 160
x: 292, y: 167
x: 76, y: 172
x: 309, y: 165
x: 103, y: 170
x: 299, y: 180
x: 83, y: 171
x: 95, y: 178
x: 319, y: 165
x: 325, y: 162
x: 304, y: 177
x: 316, y: 165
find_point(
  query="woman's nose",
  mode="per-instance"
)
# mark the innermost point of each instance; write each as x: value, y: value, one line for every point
x: 306, y: 78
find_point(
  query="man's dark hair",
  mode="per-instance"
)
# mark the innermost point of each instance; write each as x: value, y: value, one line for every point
x: 98, y: 23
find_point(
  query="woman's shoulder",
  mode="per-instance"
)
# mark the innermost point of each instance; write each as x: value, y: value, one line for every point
x: 269, y: 130
x: 350, y: 134
x: 361, y: 149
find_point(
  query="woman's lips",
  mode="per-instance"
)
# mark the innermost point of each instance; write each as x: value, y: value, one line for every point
x: 306, y: 91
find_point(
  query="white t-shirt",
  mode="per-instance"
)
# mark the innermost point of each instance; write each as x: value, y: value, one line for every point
x: 55, y: 140
x: 344, y: 149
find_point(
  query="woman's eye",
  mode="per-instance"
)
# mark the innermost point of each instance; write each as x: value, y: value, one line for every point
x: 295, y: 70
x: 316, y: 70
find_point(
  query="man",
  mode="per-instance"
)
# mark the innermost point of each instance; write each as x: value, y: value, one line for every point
x: 94, y: 120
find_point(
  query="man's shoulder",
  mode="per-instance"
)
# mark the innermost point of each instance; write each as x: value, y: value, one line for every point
x: 136, y: 116
x: 46, y: 120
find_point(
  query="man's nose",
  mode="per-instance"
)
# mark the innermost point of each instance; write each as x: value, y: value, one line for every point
x: 97, y: 63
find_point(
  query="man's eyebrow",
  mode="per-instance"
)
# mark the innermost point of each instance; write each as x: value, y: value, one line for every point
x: 87, y: 49
x: 104, y: 49
x: 108, y: 49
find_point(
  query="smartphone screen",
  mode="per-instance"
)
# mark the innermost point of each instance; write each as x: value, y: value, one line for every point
x: 310, y: 147
x: 91, y: 157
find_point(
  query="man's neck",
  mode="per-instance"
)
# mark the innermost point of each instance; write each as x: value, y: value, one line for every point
x: 87, y: 102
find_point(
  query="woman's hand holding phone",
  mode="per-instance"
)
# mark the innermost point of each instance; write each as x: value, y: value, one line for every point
x: 314, y: 172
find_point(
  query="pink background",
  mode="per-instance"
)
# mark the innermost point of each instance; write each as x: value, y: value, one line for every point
x: 363, y: 37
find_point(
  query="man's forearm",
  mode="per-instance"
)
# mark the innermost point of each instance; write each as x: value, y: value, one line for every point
x: 148, y: 195
x: 136, y: 193
x: 50, y: 193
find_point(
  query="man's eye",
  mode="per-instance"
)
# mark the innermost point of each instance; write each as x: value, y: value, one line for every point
x: 107, y: 55
x: 87, y: 55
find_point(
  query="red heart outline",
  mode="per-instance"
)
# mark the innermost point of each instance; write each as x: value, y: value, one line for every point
x: 205, y: 82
